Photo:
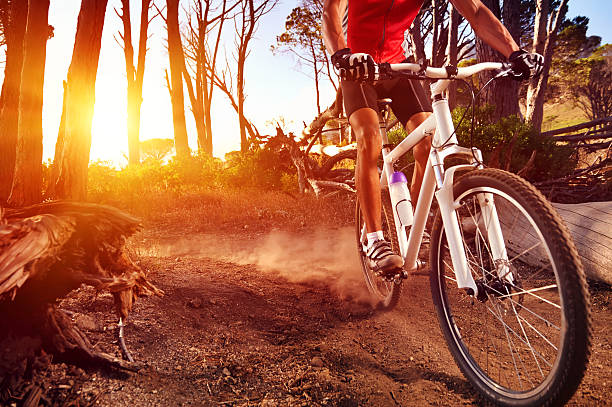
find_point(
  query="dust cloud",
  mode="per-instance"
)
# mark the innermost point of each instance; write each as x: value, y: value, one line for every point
x: 325, y: 256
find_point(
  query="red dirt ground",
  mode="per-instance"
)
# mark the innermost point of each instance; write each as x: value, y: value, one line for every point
x: 255, y: 317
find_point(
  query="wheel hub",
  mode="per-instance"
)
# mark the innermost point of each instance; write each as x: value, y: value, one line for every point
x: 494, y: 287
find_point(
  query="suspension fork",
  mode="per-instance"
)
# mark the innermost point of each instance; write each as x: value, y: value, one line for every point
x: 448, y: 210
x: 492, y: 227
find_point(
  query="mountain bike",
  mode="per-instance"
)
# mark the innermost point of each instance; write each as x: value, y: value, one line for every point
x: 506, y: 280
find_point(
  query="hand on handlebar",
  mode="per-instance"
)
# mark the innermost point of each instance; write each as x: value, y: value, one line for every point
x: 354, y: 67
x: 525, y: 65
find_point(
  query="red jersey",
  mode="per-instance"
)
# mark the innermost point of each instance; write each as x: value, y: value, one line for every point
x: 377, y: 27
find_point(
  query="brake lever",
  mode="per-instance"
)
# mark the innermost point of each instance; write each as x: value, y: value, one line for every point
x: 383, y: 71
x: 505, y: 71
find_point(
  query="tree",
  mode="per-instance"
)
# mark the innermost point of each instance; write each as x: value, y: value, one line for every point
x: 156, y: 149
x: 201, y: 59
x: 14, y: 18
x: 545, y: 30
x: 572, y: 44
x: 69, y: 174
x: 135, y: 75
x: 501, y: 93
x: 177, y: 62
x: 431, y: 25
x: 591, y: 83
x: 303, y: 39
x: 27, y: 180
x: 245, y: 24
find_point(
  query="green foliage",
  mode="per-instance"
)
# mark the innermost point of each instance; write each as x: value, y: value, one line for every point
x: 396, y: 135
x: 258, y: 167
x: 139, y: 182
x: 304, y: 40
x: 589, y: 81
x: 572, y: 44
x: 495, y: 139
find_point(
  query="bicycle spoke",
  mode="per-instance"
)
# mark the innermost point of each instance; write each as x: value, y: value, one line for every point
x: 507, y: 327
x: 527, y: 339
x: 538, y: 332
x: 524, y: 307
x: 510, y: 347
x: 531, y: 292
x: 525, y: 251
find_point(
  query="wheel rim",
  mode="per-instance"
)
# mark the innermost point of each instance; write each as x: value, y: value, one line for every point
x: 512, y: 336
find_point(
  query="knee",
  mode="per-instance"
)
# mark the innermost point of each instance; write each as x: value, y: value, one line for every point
x: 368, y: 142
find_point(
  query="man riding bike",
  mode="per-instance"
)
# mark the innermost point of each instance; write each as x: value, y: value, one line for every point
x: 374, y: 35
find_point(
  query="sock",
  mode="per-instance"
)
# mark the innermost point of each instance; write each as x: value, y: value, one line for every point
x: 375, y: 237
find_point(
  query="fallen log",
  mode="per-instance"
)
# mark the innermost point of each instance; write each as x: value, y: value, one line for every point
x: 590, y: 225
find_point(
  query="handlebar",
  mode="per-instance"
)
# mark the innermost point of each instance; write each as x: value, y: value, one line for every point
x: 388, y: 70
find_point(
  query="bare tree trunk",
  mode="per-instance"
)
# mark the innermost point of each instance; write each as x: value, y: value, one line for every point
x: 9, y: 110
x: 545, y: 32
x: 249, y: 127
x: 509, y: 88
x: 195, y: 48
x: 453, y: 28
x: 59, y: 145
x: 27, y: 181
x: 175, y: 52
x: 246, y: 22
x: 501, y: 93
x: 418, y: 46
x: 202, y: 60
x: 73, y: 159
x: 316, y: 76
x: 242, y: 54
x: 435, y: 4
x: 250, y: 15
x: 134, y: 75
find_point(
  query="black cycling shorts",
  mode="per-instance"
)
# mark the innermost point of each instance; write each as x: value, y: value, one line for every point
x: 408, y: 97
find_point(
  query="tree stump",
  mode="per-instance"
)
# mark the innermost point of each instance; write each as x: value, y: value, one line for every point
x: 46, y: 251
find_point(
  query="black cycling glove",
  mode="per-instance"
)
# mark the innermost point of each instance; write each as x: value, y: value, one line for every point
x: 354, y: 67
x: 525, y: 65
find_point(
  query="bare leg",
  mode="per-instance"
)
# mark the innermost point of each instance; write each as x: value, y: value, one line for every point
x: 364, y: 123
x: 421, y: 154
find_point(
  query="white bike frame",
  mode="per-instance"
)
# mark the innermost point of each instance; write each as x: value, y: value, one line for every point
x: 439, y: 181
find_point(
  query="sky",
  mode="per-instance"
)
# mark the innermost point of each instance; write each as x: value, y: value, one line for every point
x: 275, y: 88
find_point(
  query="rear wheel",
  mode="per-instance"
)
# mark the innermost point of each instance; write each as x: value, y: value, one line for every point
x: 524, y: 339
x: 385, y: 292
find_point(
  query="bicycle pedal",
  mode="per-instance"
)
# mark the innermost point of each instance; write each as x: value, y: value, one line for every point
x: 393, y: 275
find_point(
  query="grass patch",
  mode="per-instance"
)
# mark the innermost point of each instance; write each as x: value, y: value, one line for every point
x: 560, y: 115
x: 200, y: 196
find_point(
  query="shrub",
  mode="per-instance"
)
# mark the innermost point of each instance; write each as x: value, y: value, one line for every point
x: 259, y: 167
x: 551, y: 160
x: 132, y: 184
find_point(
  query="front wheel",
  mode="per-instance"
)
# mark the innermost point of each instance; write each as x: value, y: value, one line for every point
x: 524, y: 339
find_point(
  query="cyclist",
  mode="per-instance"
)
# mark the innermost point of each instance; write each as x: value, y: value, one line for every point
x: 375, y: 30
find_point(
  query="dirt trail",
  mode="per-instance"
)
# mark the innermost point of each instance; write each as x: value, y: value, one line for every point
x: 279, y: 318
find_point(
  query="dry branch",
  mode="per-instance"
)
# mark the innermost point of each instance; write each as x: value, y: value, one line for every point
x: 332, y: 112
